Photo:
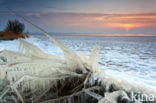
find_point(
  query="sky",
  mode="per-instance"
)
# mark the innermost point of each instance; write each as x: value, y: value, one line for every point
x: 84, y: 16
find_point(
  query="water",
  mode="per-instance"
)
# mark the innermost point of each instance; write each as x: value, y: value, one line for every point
x: 125, y: 58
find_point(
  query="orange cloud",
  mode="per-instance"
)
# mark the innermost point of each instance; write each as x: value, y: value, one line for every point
x: 103, y: 21
x: 125, y: 21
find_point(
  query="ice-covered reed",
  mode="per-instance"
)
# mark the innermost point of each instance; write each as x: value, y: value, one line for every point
x: 31, y: 75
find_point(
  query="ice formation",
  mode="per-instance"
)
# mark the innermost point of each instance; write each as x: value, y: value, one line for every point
x: 32, y: 69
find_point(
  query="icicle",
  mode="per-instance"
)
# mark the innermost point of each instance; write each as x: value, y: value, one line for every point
x: 112, y: 97
x: 94, y: 59
x: 3, y: 74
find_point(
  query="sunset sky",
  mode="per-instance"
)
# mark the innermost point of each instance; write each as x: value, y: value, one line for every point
x: 84, y: 16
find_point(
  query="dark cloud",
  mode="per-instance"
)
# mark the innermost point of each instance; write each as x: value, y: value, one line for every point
x: 82, y: 15
x: 87, y: 6
x: 1, y: 1
x: 35, y: 5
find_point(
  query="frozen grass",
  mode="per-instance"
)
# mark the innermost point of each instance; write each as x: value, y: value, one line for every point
x: 31, y: 75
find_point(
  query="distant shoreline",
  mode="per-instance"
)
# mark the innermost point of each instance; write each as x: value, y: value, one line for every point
x: 95, y: 34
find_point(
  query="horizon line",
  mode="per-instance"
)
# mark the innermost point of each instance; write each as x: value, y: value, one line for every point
x: 101, y: 34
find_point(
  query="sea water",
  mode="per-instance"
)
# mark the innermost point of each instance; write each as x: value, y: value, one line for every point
x: 125, y: 58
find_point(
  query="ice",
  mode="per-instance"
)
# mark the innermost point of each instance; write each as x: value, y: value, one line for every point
x: 125, y: 58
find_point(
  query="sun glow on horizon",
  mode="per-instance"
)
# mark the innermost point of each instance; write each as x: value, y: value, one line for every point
x: 121, y: 21
x: 127, y: 26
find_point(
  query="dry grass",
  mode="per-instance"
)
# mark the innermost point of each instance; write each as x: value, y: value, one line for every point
x: 9, y: 35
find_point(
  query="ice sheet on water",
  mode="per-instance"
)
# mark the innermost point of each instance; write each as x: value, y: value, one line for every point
x: 125, y: 58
